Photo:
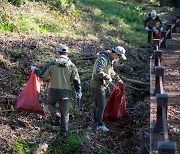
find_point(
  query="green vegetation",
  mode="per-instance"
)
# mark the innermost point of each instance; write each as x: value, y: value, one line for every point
x: 1, y: 106
x: 106, y: 151
x: 24, y: 146
x: 48, y: 126
x: 96, y: 21
x: 5, y: 26
x: 104, y: 19
x: 111, y: 20
x: 67, y: 145
x: 17, y: 2
x: 87, y: 98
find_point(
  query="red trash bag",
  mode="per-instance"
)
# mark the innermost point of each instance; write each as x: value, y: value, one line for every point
x: 157, y: 36
x: 28, y: 100
x: 116, y: 105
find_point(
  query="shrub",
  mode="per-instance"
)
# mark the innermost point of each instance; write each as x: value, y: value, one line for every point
x: 17, y: 2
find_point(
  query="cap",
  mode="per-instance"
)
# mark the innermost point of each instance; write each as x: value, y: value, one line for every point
x: 121, y: 51
x: 153, y: 14
x: 63, y: 48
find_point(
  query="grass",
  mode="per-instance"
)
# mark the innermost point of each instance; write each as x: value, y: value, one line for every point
x: 102, y: 20
x: 129, y: 19
x: 6, y: 26
x: 108, y: 20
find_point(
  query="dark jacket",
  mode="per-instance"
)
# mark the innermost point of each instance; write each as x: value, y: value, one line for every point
x: 153, y: 22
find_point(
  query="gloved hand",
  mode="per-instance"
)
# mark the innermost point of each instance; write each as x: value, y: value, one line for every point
x: 147, y: 28
x: 78, y: 95
x: 33, y: 68
x: 121, y: 81
x: 161, y: 29
x: 109, y: 79
x: 155, y: 30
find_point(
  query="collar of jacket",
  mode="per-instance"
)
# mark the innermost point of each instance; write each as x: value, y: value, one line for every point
x: 106, y: 53
x: 63, y: 61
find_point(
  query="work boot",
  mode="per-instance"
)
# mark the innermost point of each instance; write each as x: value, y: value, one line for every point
x: 54, y: 120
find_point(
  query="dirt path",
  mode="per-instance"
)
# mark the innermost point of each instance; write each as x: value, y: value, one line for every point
x: 171, y: 85
x: 171, y: 62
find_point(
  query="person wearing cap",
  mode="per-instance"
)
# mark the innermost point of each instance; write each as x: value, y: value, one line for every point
x: 153, y: 25
x: 102, y: 76
x: 61, y: 72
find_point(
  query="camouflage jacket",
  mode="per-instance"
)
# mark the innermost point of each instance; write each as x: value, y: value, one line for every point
x: 103, y: 69
x: 157, y: 23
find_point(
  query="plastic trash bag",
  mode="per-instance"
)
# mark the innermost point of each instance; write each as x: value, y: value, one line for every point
x: 157, y: 36
x: 28, y: 100
x: 116, y: 105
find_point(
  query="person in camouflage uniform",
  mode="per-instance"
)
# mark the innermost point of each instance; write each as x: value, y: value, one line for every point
x: 61, y: 72
x: 152, y: 25
x: 102, y: 75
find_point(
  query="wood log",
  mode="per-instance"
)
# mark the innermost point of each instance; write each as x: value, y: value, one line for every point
x: 88, y: 58
x: 139, y: 83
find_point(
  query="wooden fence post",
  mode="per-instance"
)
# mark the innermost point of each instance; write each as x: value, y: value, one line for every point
x: 159, y: 72
x: 162, y: 102
x: 169, y: 35
x: 156, y: 43
x: 157, y: 55
x: 178, y: 17
x: 174, y: 28
x: 163, y: 44
x: 166, y: 147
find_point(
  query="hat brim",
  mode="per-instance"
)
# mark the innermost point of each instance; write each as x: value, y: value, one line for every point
x: 123, y: 57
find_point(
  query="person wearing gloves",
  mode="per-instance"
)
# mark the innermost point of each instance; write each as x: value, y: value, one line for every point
x: 152, y: 25
x: 102, y: 76
x: 61, y: 72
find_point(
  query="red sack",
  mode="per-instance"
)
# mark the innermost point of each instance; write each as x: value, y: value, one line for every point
x: 28, y: 100
x: 116, y: 105
x: 157, y: 36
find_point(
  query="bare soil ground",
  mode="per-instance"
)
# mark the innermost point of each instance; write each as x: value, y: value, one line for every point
x: 171, y: 61
x: 17, y: 55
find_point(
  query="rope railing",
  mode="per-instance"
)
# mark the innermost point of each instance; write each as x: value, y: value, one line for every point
x: 167, y: 34
x: 161, y: 124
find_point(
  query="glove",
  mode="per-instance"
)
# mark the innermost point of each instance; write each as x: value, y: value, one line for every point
x: 78, y: 95
x: 147, y: 28
x: 161, y: 29
x: 121, y: 81
x: 155, y: 30
x: 33, y: 68
x: 109, y: 80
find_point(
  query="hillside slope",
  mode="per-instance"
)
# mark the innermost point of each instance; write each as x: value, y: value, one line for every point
x: 30, y: 35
